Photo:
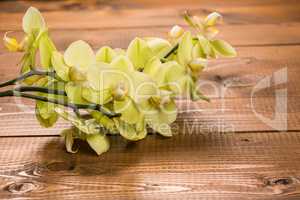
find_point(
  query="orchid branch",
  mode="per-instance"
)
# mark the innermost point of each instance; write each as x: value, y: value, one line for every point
x: 27, y: 75
x: 97, y: 107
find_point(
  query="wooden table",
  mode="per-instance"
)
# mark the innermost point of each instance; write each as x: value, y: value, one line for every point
x: 228, y: 152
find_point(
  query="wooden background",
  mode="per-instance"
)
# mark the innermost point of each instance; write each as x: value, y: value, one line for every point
x: 221, y: 151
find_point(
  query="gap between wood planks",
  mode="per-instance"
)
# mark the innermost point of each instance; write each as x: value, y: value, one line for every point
x: 151, y: 133
x: 268, y: 45
x: 238, y: 36
x: 228, y: 165
x: 219, y: 115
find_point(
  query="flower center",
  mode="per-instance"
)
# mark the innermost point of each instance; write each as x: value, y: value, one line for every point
x: 159, y: 102
x: 120, y: 91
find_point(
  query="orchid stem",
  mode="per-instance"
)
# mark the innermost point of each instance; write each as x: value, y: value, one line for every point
x: 171, y: 51
x: 97, y: 107
x: 27, y: 75
x: 40, y: 89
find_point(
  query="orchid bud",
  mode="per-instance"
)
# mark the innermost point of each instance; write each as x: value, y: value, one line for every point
x: 176, y: 31
x: 212, y: 19
x: 11, y: 44
x: 198, y: 65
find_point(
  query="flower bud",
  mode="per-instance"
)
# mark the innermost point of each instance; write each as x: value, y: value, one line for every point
x: 176, y: 31
x: 11, y: 44
x: 198, y: 65
x: 212, y: 19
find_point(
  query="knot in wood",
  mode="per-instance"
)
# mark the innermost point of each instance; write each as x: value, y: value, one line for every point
x: 21, y: 187
x: 280, y: 181
x: 61, y: 166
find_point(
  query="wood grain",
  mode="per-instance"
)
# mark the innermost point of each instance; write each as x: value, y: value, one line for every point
x: 220, y: 150
x: 227, y: 77
x: 21, y: 5
x: 110, y: 16
x: 237, y: 35
x: 225, y: 166
x: 220, y: 115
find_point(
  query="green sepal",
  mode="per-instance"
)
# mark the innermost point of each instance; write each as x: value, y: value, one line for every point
x: 98, y: 142
x: 223, y: 48
x: 105, y: 121
x: 129, y: 111
x: 139, y: 53
x: 33, y: 21
x: 79, y: 55
x: 68, y: 135
x: 131, y: 131
x: 46, y: 48
x: 185, y: 48
x: 105, y: 54
x: 58, y: 63
x: 159, y: 46
x: 97, y: 97
x: 46, y: 122
x: 89, y: 126
x: 74, y: 93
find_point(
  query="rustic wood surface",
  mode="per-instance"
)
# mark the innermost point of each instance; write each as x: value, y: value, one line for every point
x: 221, y: 150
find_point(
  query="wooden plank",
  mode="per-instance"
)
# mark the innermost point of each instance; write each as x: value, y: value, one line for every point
x: 236, y: 77
x: 220, y: 149
x: 140, y: 21
x: 221, y: 115
x: 135, y: 22
x: 208, y: 166
x: 134, y: 16
x: 238, y: 35
x: 21, y: 5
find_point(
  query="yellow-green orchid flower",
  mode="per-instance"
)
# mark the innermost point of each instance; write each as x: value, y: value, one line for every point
x: 119, y: 83
x: 160, y: 111
x: 139, y: 53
